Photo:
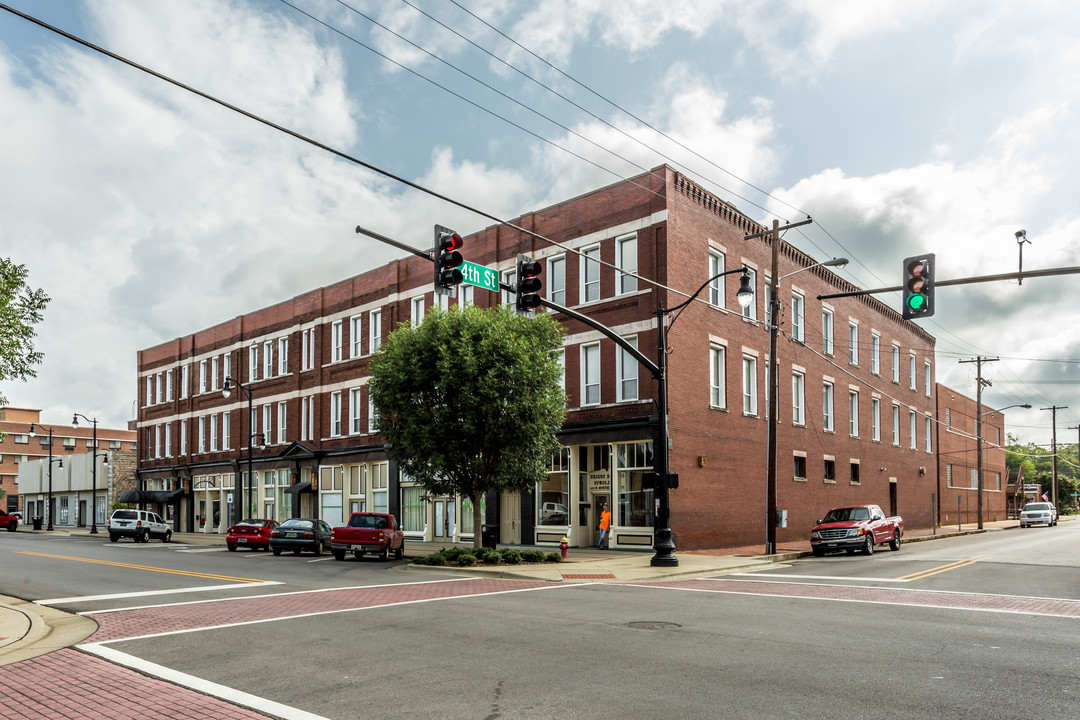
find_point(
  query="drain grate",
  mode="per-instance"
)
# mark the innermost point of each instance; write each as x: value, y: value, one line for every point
x: 652, y: 625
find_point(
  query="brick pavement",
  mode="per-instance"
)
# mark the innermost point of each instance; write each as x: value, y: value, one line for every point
x: 889, y: 596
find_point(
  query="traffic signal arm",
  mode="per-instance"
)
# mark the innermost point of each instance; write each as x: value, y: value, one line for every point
x: 1052, y: 272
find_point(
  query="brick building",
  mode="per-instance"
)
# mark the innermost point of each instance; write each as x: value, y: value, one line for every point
x: 17, y: 446
x: 856, y: 387
x: 957, y: 459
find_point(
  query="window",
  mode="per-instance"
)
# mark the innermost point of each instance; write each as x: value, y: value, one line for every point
x: 749, y: 385
x: 157, y: 441
x: 202, y: 376
x: 896, y: 363
x: 281, y: 422
x: 267, y: 426
x: 974, y: 478
x: 853, y: 411
x: 355, y: 416
x: 590, y: 374
x: 168, y: 440
x: 373, y: 415
x: 896, y: 425
x: 307, y: 418
x: 827, y: 406
x: 627, y: 372
x: 226, y: 366
x: 854, y: 472
x: 912, y: 431
x: 830, y: 470
x: 853, y: 343
x: 590, y: 274
x: 268, y: 359
x: 213, y: 433
x: 215, y: 377
x: 202, y: 435
x: 283, y: 356
x: 766, y: 287
x: 926, y: 378
x: 560, y: 356
x: 875, y: 419
x: 184, y: 381
x: 168, y: 385
x: 356, y: 336
x: 800, y: 467
x: 948, y: 418
x: 335, y: 414
x: 253, y: 362
x: 798, y: 399
x: 374, y: 330
x: 226, y: 431
x: 929, y: 429
x: 307, y: 349
x: 717, y: 377
x: 509, y: 277
x: 335, y: 340
x: 827, y: 331
x: 183, y: 437
x: 417, y: 310
x: 797, y: 305
x: 716, y: 285
x: 913, y: 381
x: 626, y: 261
x: 750, y: 311
x: 875, y: 353
x: 556, y: 280
x: 149, y: 391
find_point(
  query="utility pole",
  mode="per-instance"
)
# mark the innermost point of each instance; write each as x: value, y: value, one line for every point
x: 979, y: 382
x: 1053, y: 447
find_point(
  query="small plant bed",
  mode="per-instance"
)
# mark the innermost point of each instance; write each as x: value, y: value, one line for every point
x: 469, y: 557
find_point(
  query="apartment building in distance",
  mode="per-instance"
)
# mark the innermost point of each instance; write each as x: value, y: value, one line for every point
x: 958, y: 461
x: 856, y: 391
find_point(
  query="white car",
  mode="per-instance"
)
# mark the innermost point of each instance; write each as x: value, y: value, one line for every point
x: 1038, y: 512
x: 141, y: 525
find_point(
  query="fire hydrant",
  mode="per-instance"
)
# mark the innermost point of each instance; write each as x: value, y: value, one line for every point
x: 564, y: 548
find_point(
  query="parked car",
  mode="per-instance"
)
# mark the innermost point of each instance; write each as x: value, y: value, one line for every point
x: 858, y: 527
x: 9, y: 520
x: 1038, y: 512
x: 300, y: 534
x: 365, y: 532
x: 140, y: 525
x: 253, y: 533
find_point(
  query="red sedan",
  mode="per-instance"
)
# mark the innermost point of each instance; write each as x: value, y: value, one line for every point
x: 252, y: 533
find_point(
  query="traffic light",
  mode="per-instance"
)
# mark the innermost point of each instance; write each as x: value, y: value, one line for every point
x: 447, y: 259
x: 528, y: 284
x: 919, y: 286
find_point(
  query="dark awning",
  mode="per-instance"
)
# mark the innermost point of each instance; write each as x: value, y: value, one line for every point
x: 299, y: 488
x: 153, y: 496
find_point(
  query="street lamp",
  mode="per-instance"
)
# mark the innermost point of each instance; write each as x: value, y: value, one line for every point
x: 226, y: 391
x: 93, y: 470
x: 774, y: 386
x: 978, y: 444
x: 664, y: 542
x: 49, y: 508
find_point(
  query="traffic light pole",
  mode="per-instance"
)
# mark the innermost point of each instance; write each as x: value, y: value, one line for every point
x: 1051, y: 272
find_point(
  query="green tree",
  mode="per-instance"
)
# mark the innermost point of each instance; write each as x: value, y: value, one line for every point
x: 469, y: 401
x: 20, y: 310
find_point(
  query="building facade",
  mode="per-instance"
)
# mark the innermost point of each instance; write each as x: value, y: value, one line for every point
x: 23, y: 438
x: 856, y: 387
x: 63, y: 498
x: 958, y: 462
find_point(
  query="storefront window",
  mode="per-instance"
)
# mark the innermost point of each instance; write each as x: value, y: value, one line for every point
x: 412, y: 509
x: 553, y: 495
x: 636, y: 504
x: 467, y: 514
x: 380, y: 475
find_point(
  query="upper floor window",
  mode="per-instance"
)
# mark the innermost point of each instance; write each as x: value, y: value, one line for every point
x: 853, y: 412
x: 716, y: 285
x: 335, y: 342
x: 827, y: 331
x: 626, y: 259
x: 184, y: 381
x: 465, y: 295
x: 509, y: 277
x: 927, y: 384
x: 797, y: 304
x: 202, y: 376
x: 875, y: 354
x: 827, y: 406
x: 896, y: 363
x: 253, y: 362
x: 417, y: 310
x: 911, y: 372
x: 750, y: 311
x: 375, y: 330
x: 749, y: 365
x: 283, y: 355
x: 717, y: 377
x: 556, y: 280
x: 590, y: 374
x: 307, y: 349
x: 590, y: 274
x: 798, y: 399
x: 627, y: 372
x: 268, y: 358
x: 853, y: 343
x: 356, y: 336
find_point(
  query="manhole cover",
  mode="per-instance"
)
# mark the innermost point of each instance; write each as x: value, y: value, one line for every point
x: 652, y: 625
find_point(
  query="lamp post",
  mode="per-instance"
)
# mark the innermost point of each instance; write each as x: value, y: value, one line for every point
x: 93, y: 470
x: 978, y: 444
x: 772, y: 422
x: 664, y: 543
x: 226, y: 391
x: 49, y: 508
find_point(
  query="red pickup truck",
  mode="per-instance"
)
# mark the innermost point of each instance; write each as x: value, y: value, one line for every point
x: 9, y: 521
x: 368, y: 532
x: 858, y: 527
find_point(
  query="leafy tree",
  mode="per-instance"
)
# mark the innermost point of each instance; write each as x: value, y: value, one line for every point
x: 1038, y: 464
x: 470, y: 400
x: 20, y: 309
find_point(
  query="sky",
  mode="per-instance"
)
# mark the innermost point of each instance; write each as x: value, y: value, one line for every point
x: 147, y: 213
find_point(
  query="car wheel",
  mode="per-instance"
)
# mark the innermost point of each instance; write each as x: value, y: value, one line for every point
x: 145, y: 537
x: 339, y: 554
x: 277, y: 551
x: 318, y: 548
x: 818, y: 552
x: 868, y: 548
x: 1023, y: 525
x: 232, y: 547
x: 384, y: 554
x: 113, y: 537
x: 399, y: 554
x: 167, y: 537
x: 12, y: 527
x: 894, y: 544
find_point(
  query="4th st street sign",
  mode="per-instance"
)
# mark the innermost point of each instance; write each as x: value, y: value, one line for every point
x: 480, y: 276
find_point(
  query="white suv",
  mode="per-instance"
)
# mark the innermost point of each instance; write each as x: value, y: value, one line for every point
x: 138, y: 524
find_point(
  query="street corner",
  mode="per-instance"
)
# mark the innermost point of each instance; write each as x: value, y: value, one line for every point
x: 28, y: 630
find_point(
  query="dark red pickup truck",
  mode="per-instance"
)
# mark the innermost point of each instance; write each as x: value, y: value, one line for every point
x: 857, y: 527
x: 368, y: 532
x: 9, y: 521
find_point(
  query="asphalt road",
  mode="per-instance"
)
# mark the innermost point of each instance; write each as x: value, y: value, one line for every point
x: 901, y: 634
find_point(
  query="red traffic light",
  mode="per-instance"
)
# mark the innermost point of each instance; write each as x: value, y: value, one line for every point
x: 448, y: 242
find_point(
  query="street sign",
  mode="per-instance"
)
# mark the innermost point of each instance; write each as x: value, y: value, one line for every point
x: 480, y: 276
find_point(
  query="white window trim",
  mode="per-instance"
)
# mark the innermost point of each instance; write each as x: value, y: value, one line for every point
x: 586, y: 349
x: 586, y: 263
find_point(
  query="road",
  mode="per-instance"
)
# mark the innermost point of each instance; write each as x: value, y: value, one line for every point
x: 964, y: 627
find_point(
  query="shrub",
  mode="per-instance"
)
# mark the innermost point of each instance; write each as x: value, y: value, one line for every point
x: 532, y: 556
x: 451, y: 554
x: 466, y: 559
x: 511, y: 556
x: 489, y: 556
x: 553, y: 557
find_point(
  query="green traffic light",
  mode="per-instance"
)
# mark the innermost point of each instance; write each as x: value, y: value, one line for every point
x: 916, y: 302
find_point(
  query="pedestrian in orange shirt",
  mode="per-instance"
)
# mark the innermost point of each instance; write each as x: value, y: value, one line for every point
x: 605, y: 525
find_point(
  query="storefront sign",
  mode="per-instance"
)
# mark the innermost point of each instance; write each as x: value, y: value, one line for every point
x: 600, y: 481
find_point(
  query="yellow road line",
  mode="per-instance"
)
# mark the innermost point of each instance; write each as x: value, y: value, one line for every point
x: 943, y: 568
x: 142, y: 567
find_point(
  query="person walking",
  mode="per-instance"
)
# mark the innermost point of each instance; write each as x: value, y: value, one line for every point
x: 605, y: 525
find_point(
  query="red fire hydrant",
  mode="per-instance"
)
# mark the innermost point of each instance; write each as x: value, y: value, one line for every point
x: 564, y: 548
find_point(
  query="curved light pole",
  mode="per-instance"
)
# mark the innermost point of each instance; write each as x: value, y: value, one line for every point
x: 774, y: 386
x: 49, y: 508
x: 93, y: 470
x: 226, y: 391
x: 663, y: 541
x: 978, y: 446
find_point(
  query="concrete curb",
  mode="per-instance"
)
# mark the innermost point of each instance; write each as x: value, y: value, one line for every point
x: 30, y: 629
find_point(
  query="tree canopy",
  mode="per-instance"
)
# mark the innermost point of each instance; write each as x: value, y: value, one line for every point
x: 1038, y: 464
x: 20, y: 310
x: 469, y: 401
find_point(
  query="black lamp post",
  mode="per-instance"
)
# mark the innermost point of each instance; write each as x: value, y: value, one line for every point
x: 49, y: 508
x: 226, y: 391
x: 979, y: 443
x: 664, y: 542
x: 93, y: 470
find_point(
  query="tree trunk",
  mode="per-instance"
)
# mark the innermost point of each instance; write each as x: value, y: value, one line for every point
x: 477, y: 520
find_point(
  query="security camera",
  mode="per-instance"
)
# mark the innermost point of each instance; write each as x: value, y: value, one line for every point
x: 1021, y: 236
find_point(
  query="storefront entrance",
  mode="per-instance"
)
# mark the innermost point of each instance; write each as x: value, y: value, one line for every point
x: 445, y: 520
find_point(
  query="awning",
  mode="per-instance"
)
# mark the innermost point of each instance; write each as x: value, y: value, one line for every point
x: 152, y: 496
x: 299, y: 488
